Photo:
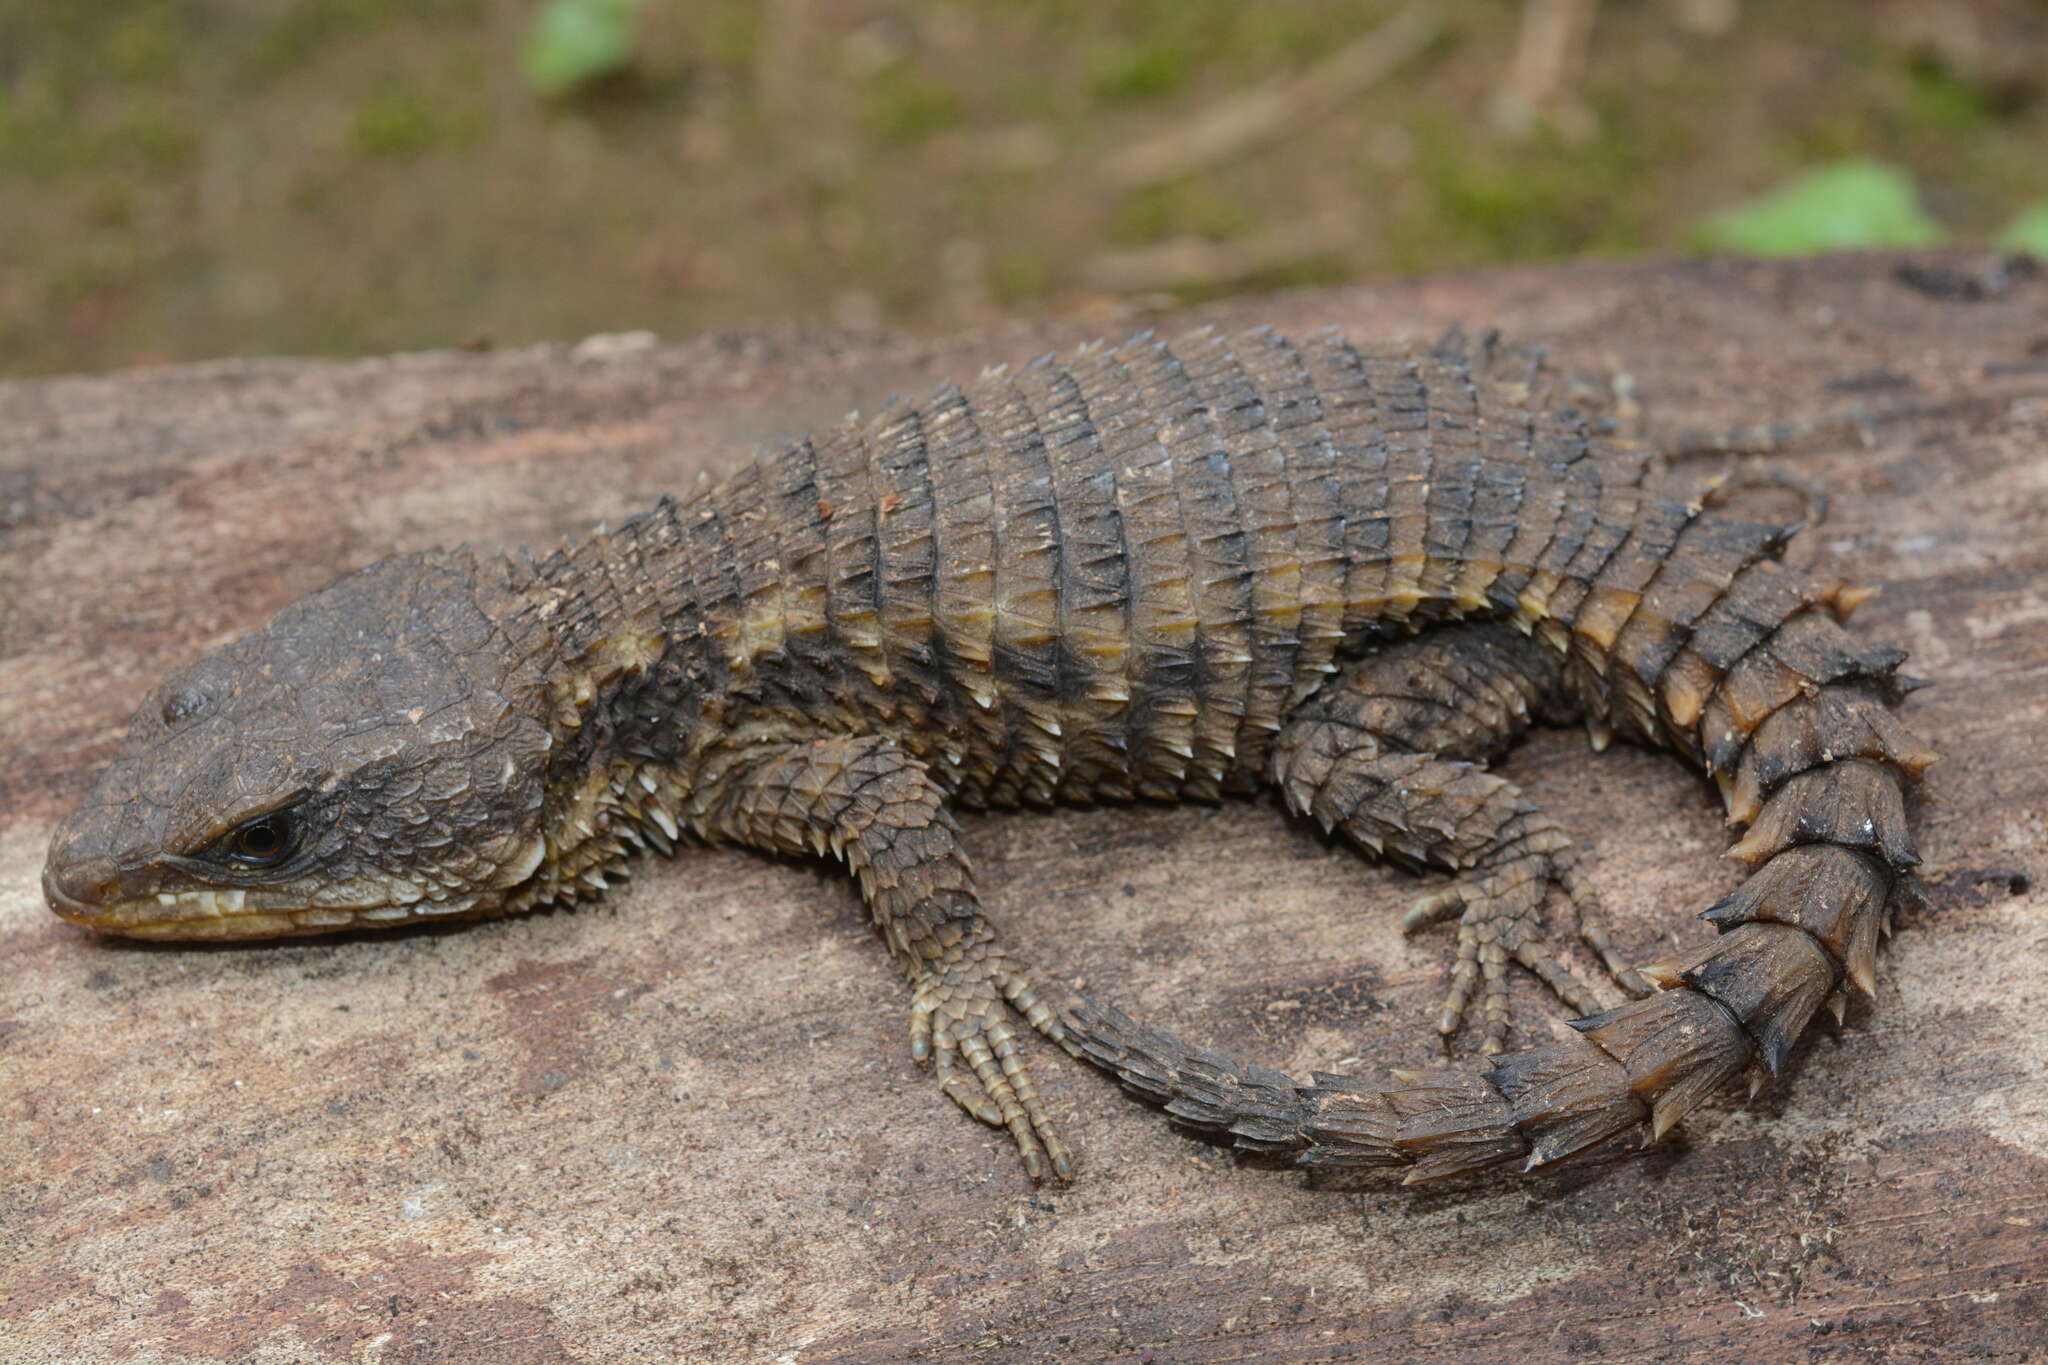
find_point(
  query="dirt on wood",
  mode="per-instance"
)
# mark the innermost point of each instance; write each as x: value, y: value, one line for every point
x: 618, y: 1133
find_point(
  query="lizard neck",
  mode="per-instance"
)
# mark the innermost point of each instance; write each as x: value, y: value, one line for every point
x: 646, y: 678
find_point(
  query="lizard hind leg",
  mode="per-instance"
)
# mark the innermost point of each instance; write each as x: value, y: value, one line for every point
x: 1390, y: 754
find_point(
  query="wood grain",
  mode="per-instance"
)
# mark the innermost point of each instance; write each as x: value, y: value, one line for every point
x: 625, y: 1133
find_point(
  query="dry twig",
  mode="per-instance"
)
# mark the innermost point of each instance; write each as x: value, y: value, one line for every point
x: 1263, y: 113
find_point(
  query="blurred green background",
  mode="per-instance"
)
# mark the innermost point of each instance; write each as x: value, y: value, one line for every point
x: 190, y: 178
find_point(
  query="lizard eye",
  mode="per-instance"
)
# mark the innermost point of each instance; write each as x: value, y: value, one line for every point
x: 263, y: 842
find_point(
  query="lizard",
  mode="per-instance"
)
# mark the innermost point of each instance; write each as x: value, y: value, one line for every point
x: 1153, y: 571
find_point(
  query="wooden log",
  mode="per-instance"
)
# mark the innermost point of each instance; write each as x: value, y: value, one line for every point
x: 570, y: 1136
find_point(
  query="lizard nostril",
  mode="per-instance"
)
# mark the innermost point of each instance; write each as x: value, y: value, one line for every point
x: 73, y: 887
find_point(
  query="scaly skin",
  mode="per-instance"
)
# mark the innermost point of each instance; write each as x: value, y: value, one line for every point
x: 1149, y: 571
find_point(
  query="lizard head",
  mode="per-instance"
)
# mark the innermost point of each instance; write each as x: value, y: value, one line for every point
x: 368, y: 757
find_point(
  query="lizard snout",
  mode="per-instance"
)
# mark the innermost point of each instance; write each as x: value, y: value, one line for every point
x: 82, y: 890
x: 85, y: 883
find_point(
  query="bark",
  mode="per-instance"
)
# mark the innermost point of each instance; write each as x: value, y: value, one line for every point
x: 626, y: 1132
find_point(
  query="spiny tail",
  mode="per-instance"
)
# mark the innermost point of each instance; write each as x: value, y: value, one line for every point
x: 1798, y: 733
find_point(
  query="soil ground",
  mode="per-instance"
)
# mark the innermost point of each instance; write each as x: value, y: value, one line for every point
x: 192, y: 178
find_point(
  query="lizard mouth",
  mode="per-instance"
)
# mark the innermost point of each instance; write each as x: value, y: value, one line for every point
x: 233, y: 913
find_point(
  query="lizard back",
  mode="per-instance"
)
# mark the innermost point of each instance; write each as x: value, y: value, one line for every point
x: 1118, y: 574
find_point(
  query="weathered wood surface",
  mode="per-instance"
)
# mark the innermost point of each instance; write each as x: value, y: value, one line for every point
x: 623, y: 1133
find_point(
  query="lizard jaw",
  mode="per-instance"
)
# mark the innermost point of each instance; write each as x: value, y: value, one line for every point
x: 137, y: 906
x: 228, y: 913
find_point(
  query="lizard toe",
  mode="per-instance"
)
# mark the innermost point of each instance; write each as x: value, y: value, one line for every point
x: 1500, y: 914
x: 960, y: 1024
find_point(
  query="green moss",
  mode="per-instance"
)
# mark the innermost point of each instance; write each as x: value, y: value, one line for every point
x: 1309, y: 272
x: 1121, y: 71
x: 397, y: 125
x: 95, y: 269
x: 144, y: 47
x: 1491, y: 200
x: 900, y: 105
x: 1196, y: 207
x: 1293, y: 35
x: 34, y: 136
x: 110, y: 204
x: 301, y: 32
x: 733, y: 36
x: 1020, y: 275
x: 147, y: 135
x: 1939, y: 101
x: 1027, y: 97
x: 296, y: 36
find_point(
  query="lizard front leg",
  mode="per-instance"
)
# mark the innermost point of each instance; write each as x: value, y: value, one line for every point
x: 1390, y: 754
x: 866, y: 800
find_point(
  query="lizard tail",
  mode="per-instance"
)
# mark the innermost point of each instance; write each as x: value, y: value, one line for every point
x: 1799, y: 736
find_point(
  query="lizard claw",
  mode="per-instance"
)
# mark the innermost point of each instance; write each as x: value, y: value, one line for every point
x: 1500, y: 910
x: 960, y: 1025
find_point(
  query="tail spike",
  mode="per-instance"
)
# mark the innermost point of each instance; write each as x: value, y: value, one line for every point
x: 1846, y: 597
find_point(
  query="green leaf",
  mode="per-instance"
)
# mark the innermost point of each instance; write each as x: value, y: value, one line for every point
x: 1848, y: 204
x: 2029, y: 231
x: 574, y: 42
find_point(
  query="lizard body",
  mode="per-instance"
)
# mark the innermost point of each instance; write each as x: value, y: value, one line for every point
x: 1167, y: 572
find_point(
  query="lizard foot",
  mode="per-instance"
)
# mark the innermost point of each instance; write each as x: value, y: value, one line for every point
x: 961, y: 1015
x: 1500, y: 909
